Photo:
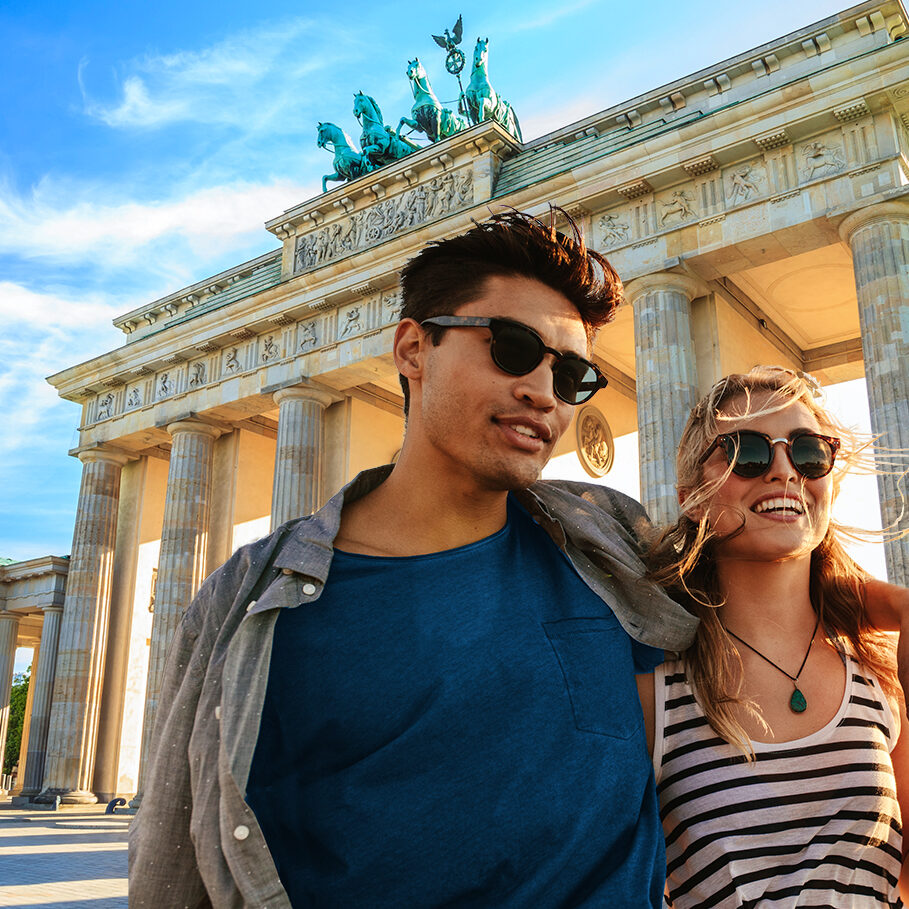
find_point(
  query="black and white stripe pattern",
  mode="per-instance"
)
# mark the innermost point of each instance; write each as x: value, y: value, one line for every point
x: 813, y: 822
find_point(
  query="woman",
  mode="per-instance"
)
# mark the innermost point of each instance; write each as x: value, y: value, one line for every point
x: 776, y: 736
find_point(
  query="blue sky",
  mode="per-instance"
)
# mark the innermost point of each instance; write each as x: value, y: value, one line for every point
x: 143, y: 145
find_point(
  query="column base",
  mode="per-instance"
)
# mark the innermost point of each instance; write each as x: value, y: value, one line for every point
x: 67, y: 797
x: 135, y: 801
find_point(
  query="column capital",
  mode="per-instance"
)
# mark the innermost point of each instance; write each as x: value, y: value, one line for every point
x: 303, y: 393
x: 664, y: 280
x: 108, y: 455
x: 197, y: 426
x: 6, y: 615
x: 895, y: 210
x: 51, y: 608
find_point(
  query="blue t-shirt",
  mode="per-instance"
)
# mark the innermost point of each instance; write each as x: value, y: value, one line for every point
x: 458, y: 729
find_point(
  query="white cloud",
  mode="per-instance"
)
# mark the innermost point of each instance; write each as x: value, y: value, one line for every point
x: 222, y: 84
x: 138, y: 109
x: 43, y: 333
x: 93, y: 224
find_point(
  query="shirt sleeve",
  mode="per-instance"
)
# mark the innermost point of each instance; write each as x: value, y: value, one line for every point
x: 162, y: 866
x: 645, y: 658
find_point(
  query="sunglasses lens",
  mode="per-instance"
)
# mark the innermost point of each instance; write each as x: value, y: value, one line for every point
x: 574, y: 380
x: 812, y: 456
x: 749, y: 452
x: 515, y: 350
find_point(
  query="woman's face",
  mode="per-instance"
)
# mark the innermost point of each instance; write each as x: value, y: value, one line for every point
x: 783, y: 515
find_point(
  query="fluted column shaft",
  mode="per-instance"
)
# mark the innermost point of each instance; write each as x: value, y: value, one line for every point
x: 181, y: 562
x: 666, y: 381
x: 879, y: 239
x: 9, y: 632
x: 42, y: 684
x: 83, y: 633
x: 298, y: 454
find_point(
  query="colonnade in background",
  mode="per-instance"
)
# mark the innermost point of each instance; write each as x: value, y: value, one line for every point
x: 67, y: 674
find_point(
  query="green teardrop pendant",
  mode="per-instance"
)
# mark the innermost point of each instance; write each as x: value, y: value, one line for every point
x: 797, y: 702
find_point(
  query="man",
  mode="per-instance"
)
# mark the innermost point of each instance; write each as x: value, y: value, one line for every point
x: 424, y: 693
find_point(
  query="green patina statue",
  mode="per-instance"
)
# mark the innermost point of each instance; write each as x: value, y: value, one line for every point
x: 348, y: 162
x: 380, y: 143
x: 480, y: 101
x: 429, y: 116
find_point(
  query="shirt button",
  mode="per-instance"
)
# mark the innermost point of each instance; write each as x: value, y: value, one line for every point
x: 309, y: 589
x: 241, y: 832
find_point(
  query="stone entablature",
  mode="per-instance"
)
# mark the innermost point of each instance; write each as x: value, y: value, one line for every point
x: 33, y: 584
x: 442, y: 195
x: 219, y: 290
x: 779, y: 173
x: 426, y: 186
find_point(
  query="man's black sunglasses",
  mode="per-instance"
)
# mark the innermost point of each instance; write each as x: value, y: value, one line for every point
x: 751, y: 453
x: 518, y: 350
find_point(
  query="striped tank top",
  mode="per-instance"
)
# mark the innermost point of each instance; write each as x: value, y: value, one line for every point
x: 812, y: 822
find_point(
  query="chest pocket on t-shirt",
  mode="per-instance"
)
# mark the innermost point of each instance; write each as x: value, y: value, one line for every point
x: 595, y: 658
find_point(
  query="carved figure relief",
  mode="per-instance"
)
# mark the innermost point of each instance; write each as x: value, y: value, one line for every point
x: 742, y: 183
x: 270, y: 350
x: 308, y: 337
x: 134, y: 399
x: 393, y: 304
x: 824, y: 158
x: 231, y: 363
x: 165, y: 385
x: 197, y: 374
x: 441, y: 196
x: 614, y: 230
x: 679, y: 204
x: 596, y: 449
x: 104, y: 406
x: 352, y: 324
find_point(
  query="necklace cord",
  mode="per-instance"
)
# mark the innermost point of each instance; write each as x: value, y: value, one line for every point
x: 794, y: 678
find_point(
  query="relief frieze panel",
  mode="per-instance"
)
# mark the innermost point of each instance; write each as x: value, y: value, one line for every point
x: 821, y: 159
x: 441, y: 196
x: 308, y: 335
x: 391, y: 306
x: 745, y: 181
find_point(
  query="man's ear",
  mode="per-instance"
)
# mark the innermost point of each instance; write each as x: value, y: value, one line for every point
x: 409, y: 344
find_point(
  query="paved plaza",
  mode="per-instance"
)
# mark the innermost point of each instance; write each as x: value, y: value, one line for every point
x: 66, y: 859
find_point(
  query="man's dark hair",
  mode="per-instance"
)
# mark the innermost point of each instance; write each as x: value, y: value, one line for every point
x: 449, y: 273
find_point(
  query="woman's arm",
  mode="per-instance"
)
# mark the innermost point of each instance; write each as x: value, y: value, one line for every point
x: 646, y: 693
x: 887, y: 607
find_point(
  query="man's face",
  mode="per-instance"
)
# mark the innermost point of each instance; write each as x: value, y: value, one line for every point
x: 495, y: 430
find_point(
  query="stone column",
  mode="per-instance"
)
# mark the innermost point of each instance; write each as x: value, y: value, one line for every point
x: 879, y: 239
x: 666, y: 381
x: 298, y: 455
x: 42, y: 685
x: 83, y: 633
x: 9, y: 632
x: 181, y: 562
x: 26, y: 726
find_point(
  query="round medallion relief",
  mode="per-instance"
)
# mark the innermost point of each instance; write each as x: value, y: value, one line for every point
x: 594, y: 439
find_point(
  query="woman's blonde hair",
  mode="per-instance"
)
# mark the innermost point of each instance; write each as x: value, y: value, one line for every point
x: 683, y: 560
